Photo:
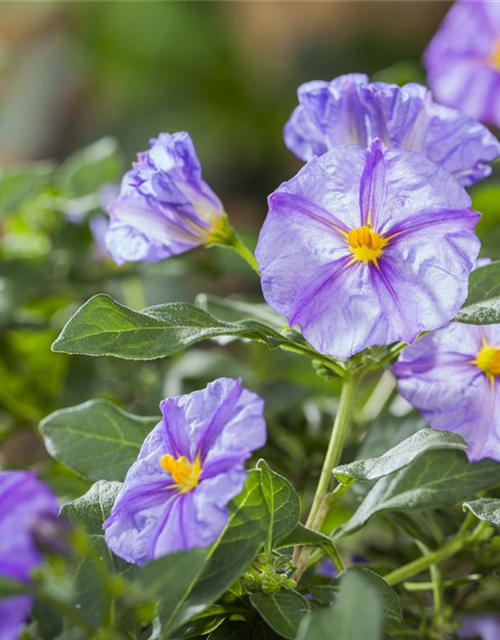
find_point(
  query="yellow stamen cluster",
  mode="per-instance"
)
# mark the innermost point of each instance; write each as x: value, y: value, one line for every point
x: 488, y: 360
x: 495, y: 56
x: 366, y: 245
x: 185, y: 473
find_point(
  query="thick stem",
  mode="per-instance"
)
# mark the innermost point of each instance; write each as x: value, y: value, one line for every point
x: 319, y: 507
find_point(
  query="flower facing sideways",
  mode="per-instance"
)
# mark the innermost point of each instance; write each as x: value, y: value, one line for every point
x: 463, y: 59
x: 190, y: 466
x: 453, y: 378
x: 164, y: 206
x: 366, y: 247
x: 23, y: 499
x: 352, y: 110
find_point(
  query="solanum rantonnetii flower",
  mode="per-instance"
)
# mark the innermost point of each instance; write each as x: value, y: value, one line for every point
x: 164, y: 206
x: 190, y: 466
x: 479, y: 625
x: 352, y: 110
x: 463, y: 60
x: 23, y: 500
x: 453, y: 377
x: 366, y: 247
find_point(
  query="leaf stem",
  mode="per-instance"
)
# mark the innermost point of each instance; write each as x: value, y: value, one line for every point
x: 226, y: 236
x: 320, y: 504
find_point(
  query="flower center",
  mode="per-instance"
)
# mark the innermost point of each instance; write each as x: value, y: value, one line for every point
x: 366, y: 245
x: 495, y: 55
x: 185, y: 473
x: 488, y: 360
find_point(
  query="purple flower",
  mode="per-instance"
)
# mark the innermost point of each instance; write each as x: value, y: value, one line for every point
x: 365, y: 247
x: 164, y: 207
x: 351, y: 110
x: 480, y: 625
x: 452, y: 377
x: 190, y: 466
x: 463, y: 60
x: 23, y: 499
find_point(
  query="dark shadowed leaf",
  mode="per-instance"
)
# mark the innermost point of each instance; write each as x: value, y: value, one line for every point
x: 93, y: 508
x: 487, y: 509
x: 400, y: 456
x: 483, y: 302
x: 96, y: 438
x: 283, y: 612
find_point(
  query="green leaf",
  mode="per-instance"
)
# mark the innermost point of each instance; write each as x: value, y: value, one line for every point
x: 10, y: 587
x: 237, y: 546
x: 92, y: 509
x: 435, y: 479
x: 282, y: 501
x: 283, y: 612
x: 87, y: 170
x: 96, y: 438
x: 486, y: 509
x: 103, y: 327
x: 302, y: 536
x: 203, y: 624
x: 483, y: 302
x: 233, y: 630
x: 357, y: 613
x: 19, y: 182
x: 400, y: 456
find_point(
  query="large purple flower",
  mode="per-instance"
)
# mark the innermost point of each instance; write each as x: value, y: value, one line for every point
x: 190, y: 466
x: 164, y: 207
x: 352, y: 110
x: 365, y: 247
x: 479, y: 625
x: 452, y: 377
x: 23, y: 499
x: 463, y: 59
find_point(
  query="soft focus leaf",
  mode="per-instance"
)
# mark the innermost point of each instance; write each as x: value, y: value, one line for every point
x: 357, y: 613
x: 96, y: 438
x: 19, y: 182
x: 103, y: 327
x: 92, y: 509
x: 435, y: 479
x: 283, y: 612
x: 483, y: 302
x: 234, y: 630
x: 302, y: 536
x: 238, y: 544
x: 487, y: 509
x: 400, y: 456
x: 282, y: 501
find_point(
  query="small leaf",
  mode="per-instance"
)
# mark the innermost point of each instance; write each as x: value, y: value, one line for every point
x: 400, y: 456
x: 103, y: 327
x: 357, y: 613
x: 233, y: 630
x: 10, y: 587
x: 282, y: 501
x: 486, y: 509
x: 96, y: 438
x: 283, y: 612
x: 435, y: 479
x: 92, y: 509
x: 302, y: 536
x: 483, y: 302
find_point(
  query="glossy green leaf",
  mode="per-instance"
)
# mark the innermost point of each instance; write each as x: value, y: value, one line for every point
x: 357, y: 613
x: 483, y: 302
x: 103, y: 327
x: 400, y: 456
x: 435, y: 479
x: 20, y: 181
x: 283, y: 612
x: 282, y: 501
x: 93, y: 508
x: 96, y: 438
x: 486, y: 509
x: 237, y: 546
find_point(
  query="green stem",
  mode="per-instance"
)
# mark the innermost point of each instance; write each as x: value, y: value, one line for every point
x: 240, y: 247
x: 320, y: 505
x: 226, y: 236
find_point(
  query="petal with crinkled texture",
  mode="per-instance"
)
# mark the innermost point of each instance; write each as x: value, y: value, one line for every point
x: 438, y: 377
x: 351, y: 110
x: 221, y: 424
x: 343, y: 305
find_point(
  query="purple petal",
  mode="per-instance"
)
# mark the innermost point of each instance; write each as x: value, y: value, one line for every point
x: 372, y: 190
x: 13, y: 614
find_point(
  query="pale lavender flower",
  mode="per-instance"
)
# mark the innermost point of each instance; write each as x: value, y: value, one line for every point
x: 453, y: 377
x: 366, y: 247
x: 190, y: 466
x: 164, y: 207
x: 479, y: 625
x: 23, y: 500
x: 463, y: 60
